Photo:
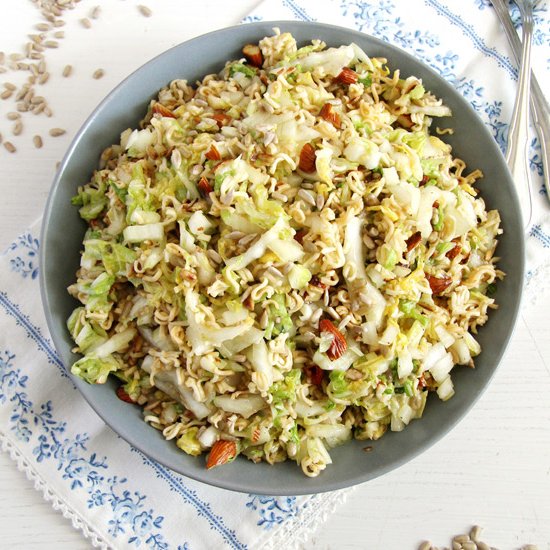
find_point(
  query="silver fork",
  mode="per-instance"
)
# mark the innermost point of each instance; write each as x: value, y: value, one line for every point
x: 518, y: 134
x: 540, y: 109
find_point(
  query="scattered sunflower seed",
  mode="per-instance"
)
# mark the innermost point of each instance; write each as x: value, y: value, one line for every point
x: 12, y: 115
x: 475, y: 532
x: 48, y: 112
x: 37, y: 140
x: 51, y: 44
x: 10, y: 147
x: 16, y: 57
x: 145, y: 11
x: 44, y: 78
x: 94, y: 14
x: 10, y: 86
x: 17, y: 128
x: 42, y: 67
x: 59, y: 34
x: 37, y: 109
x: 86, y: 23
x: 98, y: 73
x: 59, y: 23
x: 55, y: 132
x: 67, y: 70
x: 43, y: 27
x: 6, y: 94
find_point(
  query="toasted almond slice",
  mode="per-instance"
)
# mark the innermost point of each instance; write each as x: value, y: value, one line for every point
x: 204, y: 186
x: 347, y: 76
x: 327, y: 113
x: 222, y: 452
x: 222, y: 119
x: 413, y: 240
x: 253, y: 55
x: 307, y: 159
x: 213, y: 153
x: 338, y: 345
x: 439, y: 284
x: 160, y: 109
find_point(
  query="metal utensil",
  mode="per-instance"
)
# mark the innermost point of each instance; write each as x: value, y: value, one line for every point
x: 540, y: 108
x: 518, y: 137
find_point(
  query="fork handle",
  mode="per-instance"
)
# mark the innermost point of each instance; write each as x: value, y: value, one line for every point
x: 540, y: 109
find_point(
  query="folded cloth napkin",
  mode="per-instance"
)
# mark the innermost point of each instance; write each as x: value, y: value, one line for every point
x: 117, y: 496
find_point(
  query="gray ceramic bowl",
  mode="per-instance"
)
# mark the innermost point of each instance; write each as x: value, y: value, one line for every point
x: 63, y: 230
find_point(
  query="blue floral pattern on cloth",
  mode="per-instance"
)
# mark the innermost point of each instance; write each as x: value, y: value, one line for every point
x: 82, y: 470
x: 274, y: 510
x: 26, y: 261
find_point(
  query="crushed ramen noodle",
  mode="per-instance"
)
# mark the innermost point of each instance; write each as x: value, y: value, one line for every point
x: 283, y: 257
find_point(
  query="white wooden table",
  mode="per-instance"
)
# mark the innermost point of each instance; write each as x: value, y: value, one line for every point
x: 492, y: 469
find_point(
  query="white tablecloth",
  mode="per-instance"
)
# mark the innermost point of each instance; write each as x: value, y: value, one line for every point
x: 493, y: 468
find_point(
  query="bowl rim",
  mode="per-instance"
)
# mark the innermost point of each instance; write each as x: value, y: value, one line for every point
x: 260, y: 488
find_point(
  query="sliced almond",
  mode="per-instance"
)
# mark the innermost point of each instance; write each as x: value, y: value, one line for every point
x: 253, y: 55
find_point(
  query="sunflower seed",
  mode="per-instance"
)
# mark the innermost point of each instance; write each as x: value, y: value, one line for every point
x: 94, y: 14
x: 44, y: 78
x: 10, y: 146
x: 59, y: 34
x: 37, y: 140
x: 10, y: 86
x: 6, y: 94
x: 16, y: 57
x: 37, y: 109
x: 17, y: 128
x: 43, y: 27
x: 59, y: 23
x: 461, y: 538
x: 98, y: 73
x: 145, y: 11
x: 47, y: 111
x: 2, y: 58
x: 37, y: 99
x: 86, y: 23
x: 68, y: 69
x: 12, y: 115
x: 55, y: 132
x: 475, y: 531
x: 306, y: 196
x: 36, y: 38
x: 42, y: 67
x: 51, y: 44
